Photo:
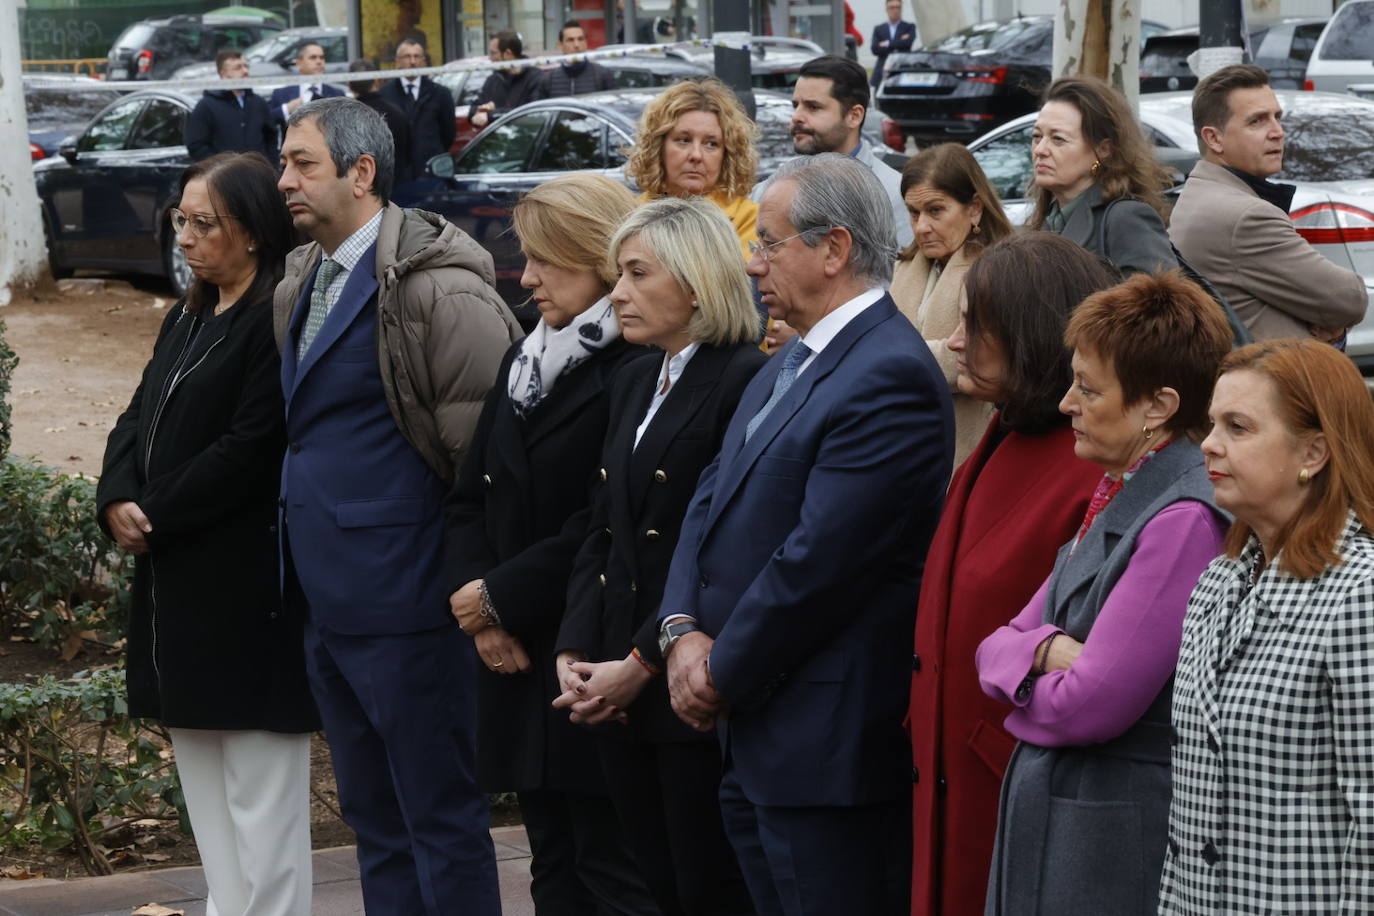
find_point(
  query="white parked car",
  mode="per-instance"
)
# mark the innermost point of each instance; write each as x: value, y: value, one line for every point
x: 1344, y: 54
x: 1329, y: 155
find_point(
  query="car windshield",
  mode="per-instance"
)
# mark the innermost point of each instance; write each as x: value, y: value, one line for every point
x: 1350, y: 36
x: 1328, y: 139
x: 987, y: 35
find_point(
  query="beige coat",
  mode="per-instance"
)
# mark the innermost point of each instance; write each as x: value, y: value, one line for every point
x: 935, y: 315
x: 1279, y: 285
x: 442, y: 330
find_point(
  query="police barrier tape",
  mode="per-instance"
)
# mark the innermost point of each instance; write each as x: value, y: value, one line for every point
x: 736, y: 40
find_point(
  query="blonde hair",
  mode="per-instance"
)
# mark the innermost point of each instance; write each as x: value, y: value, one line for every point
x: 698, y: 247
x: 568, y: 222
x: 740, y: 135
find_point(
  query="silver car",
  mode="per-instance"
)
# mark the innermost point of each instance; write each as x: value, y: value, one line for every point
x: 1329, y: 156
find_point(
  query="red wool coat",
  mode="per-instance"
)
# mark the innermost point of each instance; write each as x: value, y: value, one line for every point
x: 1010, y: 507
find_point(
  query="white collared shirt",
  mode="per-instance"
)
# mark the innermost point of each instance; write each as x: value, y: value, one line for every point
x: 411, y: 87
x: 348, y: 254
x: 829, y: 327
x: 667, y: 377
x: 305, y: 89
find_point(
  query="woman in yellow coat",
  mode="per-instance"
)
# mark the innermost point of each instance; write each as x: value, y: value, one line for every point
x: 695, y: 140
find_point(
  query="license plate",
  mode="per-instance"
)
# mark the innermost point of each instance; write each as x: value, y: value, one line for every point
x: 117, y: 73
x: 918, y: 79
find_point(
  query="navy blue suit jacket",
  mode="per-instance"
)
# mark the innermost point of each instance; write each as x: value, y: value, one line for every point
x: 286, y: 94
x: 906, y: 36
x: 801, y: 554
x: 361, y: 510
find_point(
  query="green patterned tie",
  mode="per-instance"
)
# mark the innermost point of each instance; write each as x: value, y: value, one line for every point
x: 319, y: 305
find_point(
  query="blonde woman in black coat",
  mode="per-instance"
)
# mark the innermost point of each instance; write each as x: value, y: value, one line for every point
x: 681, y: 292
x: 189, y: 486
x: 516, y: 517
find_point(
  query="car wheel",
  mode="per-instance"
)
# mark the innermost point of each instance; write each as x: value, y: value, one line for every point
x: 55, y: 266
x: 174, y: 264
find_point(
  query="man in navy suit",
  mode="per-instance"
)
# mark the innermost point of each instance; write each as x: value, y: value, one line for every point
x: 889, y: 37
x: 391, y: 335
x: 788, y: 612
x: 428, y: 108
x: 309, y: 62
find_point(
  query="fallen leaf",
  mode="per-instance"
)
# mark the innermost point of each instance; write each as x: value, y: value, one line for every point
x: 19, y: 873
x: 55, y: 429
x: 160, y: 303
x: 155, y: 856
x: 73, y: 457
x: 156, y: 909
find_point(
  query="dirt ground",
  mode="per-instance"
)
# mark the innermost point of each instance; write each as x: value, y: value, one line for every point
x: 80, y: 355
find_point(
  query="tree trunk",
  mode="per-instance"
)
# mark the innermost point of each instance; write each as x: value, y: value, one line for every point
x: 1099, y: 38
x: 23, y: 257
x: 937, y: 19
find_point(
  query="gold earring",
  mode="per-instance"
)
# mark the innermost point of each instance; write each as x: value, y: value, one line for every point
x: 1149, y: 433
x: 1304, y: 476
x: 1097, y: 167
x: 977, y: 229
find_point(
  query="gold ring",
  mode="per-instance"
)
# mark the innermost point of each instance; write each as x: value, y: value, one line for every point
x: 497, y: 664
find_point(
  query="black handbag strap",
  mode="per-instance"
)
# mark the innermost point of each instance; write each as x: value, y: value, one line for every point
x: 1240, y: 334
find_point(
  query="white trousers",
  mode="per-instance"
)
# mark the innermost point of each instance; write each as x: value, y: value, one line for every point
x: 248, y: 795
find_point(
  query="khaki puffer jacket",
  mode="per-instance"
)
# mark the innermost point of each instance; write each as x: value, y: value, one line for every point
x: 441, y: 332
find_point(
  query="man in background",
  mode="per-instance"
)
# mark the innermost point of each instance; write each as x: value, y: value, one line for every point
x: 309, y: 62
x: 230, y: 120
x: 891, y: 37
x: 428, y: 107
x: 579, y: 77
x: 368, y: 92
x: 507, y: 89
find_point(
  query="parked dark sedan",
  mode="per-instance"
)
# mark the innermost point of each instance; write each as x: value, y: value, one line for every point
x: 1282, y: 48
x: 477, y: 188
x: 105, y: 197
x: 974, y: 80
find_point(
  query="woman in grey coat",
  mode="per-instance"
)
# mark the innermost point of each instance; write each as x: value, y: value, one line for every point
x: 1272, y: 808
x: 1087, y: 665
x: 1096, y: 179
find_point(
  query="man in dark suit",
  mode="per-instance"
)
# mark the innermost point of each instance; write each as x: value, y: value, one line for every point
x: 383, y: 387
x: 427, y: 105
x: 230, y: 120
x: 889, y: 37
x: 309, y: 62
x: 368, y: 92
x: 791, y: 599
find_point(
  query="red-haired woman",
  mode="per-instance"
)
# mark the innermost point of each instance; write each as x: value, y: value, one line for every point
x: 1272, y: 809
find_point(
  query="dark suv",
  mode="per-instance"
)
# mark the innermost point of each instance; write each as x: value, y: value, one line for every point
x: 154, y: 48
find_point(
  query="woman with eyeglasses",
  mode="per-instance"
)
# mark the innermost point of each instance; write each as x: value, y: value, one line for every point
x: 189, y: 486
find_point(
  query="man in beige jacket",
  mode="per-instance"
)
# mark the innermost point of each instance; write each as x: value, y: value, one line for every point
x: 1233, y: 226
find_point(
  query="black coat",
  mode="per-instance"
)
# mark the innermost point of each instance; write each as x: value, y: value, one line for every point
x: 218, y: 125
x: 210, y: 645
x: 590, y: 77
x: 511, y: 89
x: 400, y: 132
x: 637, y: 514
x: 516, y: 518
x: 431, y: 118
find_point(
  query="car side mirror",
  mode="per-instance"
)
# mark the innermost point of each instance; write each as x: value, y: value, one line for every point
x: 441, y: 166
x: 67, y: 150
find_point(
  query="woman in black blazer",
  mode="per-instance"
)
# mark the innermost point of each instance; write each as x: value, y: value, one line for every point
x: 189, y: 486
x: 516, y: 518
x: 680, y: 291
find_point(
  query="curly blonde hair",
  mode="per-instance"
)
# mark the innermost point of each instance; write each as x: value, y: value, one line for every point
x: 737, y: 171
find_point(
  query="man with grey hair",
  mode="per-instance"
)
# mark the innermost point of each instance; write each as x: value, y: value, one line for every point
x: 391, y: 334
x: 789, y: 606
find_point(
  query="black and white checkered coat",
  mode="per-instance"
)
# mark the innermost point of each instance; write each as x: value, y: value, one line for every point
x: 1273, y: 766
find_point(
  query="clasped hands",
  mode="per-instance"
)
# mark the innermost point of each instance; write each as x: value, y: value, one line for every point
x: 596, y: 692
x: 129, y: 526
x: 501, y: 652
